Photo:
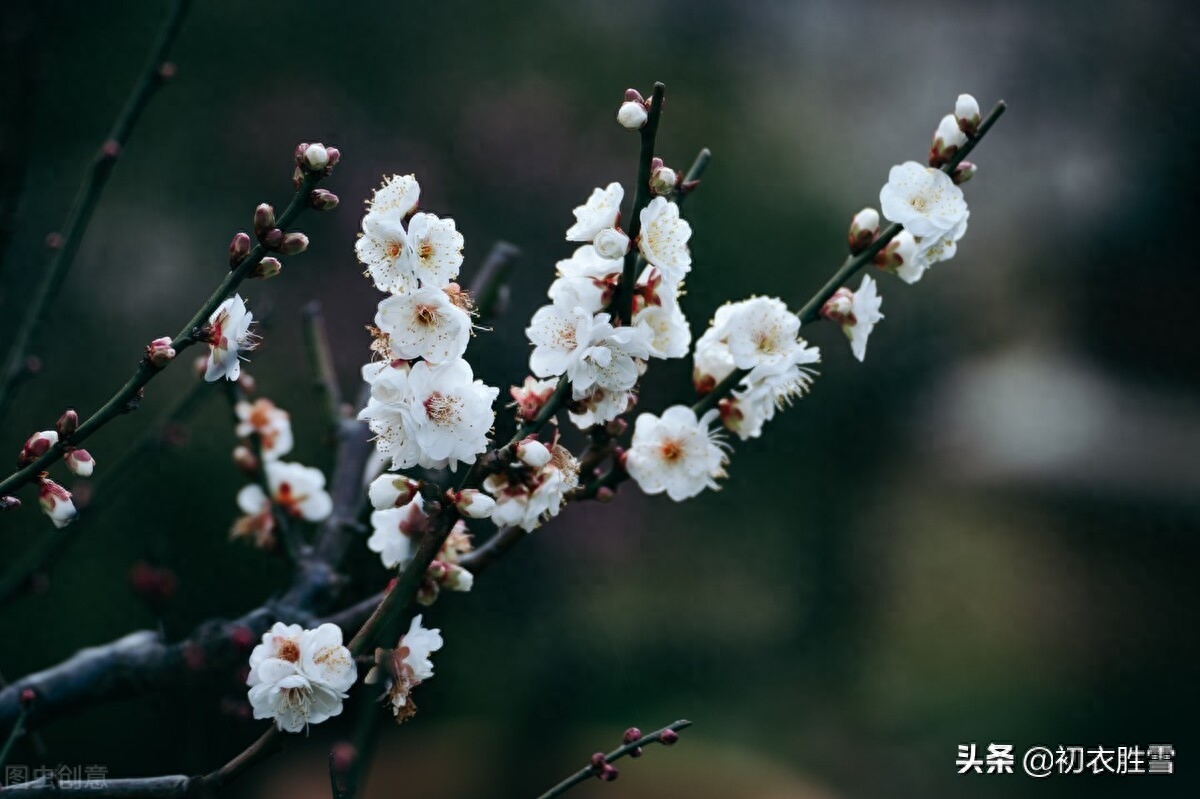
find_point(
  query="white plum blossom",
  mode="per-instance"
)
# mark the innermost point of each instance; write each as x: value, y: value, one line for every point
x: 857, y: 312
x: 272, y: 424
x: 397, y: 197
x: 598, y: 406
x: 598, y: 213
x: 298, y: 490
x: 760, y: 331
x: 229, y: 333
x: 300, y: 677
x: 393, y: 531
x: 902, y: 257
x: 560, y: 334
x: 664, y: 239
x: 676, y: 453
x: 530, y: 496
x: 426, y: 253
x: 585, y: 279
x: 389, y: 414
x: 405, y: 667
x: 658, y: 310
x: 451, y: 413
x: 425, y: 323
x: 767, y: 389
x: 923, y: 199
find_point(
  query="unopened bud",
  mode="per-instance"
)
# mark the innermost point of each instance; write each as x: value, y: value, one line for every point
x: 239, y: 248
x: 9, y: 503
x: 605, y: 494
x: 475, y: 504
x: 609, y: 773
x: 663, y: 181
x: 316, y: 157
x: 27, y: 697
x: 267, y: 268
x: 293, y: 243
x: 160, y: 352
x: 598, y: 760
x: 333, y: 155
x: 631, y: 735
x: 963, y: 172
x: 245, y: 460
x: 166, y: 70
x: 81, y: 462
x: 323, y: 200
x: 966, y: 113
x: 900, y: 251
x: 533, y: 453
x: 68, y: 423
x: 264, y: 220
x: 946, y: 141
x: 668, y: 737
x: 611, y: 243
x: 342, y: 756
x: 37, y: 446
x: 54, y: 241
x: 840, y: 307
x: 242, y: 637
x: 632, y: 114
x: 110, y: 150
x: 863, y: 229
x: 56, y: 502
x: 616, y: 427
x: 391, y: 491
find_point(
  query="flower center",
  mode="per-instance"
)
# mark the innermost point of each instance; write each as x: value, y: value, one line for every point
x: 671, y: 450
x: 288, y: 500
x: 443, y: 410
x: 919, y: 203
x: 565, y: 337
x: 425, y: 250
x: 426, y: 315
x: 287, y: 649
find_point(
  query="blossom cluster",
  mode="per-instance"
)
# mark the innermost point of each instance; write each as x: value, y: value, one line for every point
x: 426, y: 408
x: 299, y: 677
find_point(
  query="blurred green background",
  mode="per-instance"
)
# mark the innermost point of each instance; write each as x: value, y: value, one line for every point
x: 987, y: 533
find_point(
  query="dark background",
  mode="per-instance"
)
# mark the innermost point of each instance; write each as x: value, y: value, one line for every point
x: 985, y: 533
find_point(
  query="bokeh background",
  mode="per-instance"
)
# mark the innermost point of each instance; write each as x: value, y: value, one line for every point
x: 987, y: 533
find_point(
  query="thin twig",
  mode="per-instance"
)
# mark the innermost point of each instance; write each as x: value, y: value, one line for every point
x: 128, y: 397
x: 811, y: 311
x: 150, y: 79
x: 594, y: 770
x: 487, y: 287
x: 320, y: 362
x: 109, y: 484
x: 641, y: 198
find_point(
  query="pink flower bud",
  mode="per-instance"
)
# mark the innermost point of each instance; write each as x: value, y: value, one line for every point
x: 166, y: 70
x: 963, y: 172
x: 634, y: 96
x: 533, y: 453
x: 273, y: 238
x: 239, y: 248
x: 68, y: 423
x: 616, y: 427
x: 668, y: 737
x: 242, y: 638
x: 609, y: 773
x: 293, y: 243
x: 863, y: 229
x: 598, y: 760
x: 342, y: 756
x: 475, y: 504
x: 160, y: 352
x: 605, y: 494
x: 334, y: 155
x: 632, y: 114
x: 323, y: 200
x: 531, y: 396
x: 80, y: 462
x: 264, y: 219
x: 966, y: 113
x: 27, y: 697
x: 267, y: 268
x: 110, y: 150
x: 840, y: 307
x: 37, y: 446
x: 631, y: 735
x: 56, y: 502
x: 9, y: 503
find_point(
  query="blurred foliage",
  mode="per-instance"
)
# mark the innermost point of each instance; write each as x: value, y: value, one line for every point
x: 865, y: 593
